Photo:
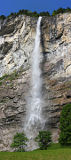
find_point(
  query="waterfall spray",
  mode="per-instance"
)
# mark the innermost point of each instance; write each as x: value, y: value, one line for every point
x: 33, y: 122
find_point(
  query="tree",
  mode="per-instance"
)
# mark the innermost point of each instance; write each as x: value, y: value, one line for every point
x: 43, y: 139
x: 19, y: 142
x: 61, y: 10
x: 65, y: 125
x: 12, y: 15
x: 2, y: 17
x: 44, y: 14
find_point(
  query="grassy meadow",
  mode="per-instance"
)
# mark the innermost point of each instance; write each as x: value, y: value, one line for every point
x: 54, y: 152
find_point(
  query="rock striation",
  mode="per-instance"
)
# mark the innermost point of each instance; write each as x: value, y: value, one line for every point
x: 17, y: 35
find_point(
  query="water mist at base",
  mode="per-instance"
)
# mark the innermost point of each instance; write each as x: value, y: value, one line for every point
x: 34, y: 119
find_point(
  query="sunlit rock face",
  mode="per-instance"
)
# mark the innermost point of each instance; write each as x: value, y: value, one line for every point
x: 17, y: 36
x: 16, y: 43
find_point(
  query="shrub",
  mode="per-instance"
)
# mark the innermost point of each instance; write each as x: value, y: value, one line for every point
x: 43, y: 139
x: 65, y: 125
x: 19, y: 142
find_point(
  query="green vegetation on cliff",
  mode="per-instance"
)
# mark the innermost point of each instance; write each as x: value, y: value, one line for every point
x: 29, y: 13
x: 2, y: 17
x: 8, y: 77
x: 65, y: 125
x: 61, y: 10
x: 35, y: 14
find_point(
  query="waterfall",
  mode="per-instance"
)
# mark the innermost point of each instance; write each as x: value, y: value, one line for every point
x: 33, y: 122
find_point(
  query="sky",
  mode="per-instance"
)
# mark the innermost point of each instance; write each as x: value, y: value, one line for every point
x: 8, y: 6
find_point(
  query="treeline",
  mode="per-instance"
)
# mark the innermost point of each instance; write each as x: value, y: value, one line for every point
x: 61, y: 10
x: 29, y: 13
x: 35, y: 14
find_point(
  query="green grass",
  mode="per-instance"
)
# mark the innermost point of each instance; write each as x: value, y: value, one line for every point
x: 54, y: 152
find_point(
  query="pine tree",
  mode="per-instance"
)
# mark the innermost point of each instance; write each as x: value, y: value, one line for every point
x: 65, y: 125
x: 19, y: 142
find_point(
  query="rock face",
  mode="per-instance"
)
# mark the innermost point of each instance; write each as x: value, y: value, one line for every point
x: 17, y: 35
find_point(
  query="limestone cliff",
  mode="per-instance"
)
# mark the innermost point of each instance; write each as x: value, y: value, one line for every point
x: 17, y: 35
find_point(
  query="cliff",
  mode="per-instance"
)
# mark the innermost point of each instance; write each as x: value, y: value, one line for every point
x: 17, y: 35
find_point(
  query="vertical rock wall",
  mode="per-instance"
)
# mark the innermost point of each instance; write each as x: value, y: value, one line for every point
x: 17, y: 37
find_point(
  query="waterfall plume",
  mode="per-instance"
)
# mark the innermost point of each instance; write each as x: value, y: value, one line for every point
x: 33, y: 122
